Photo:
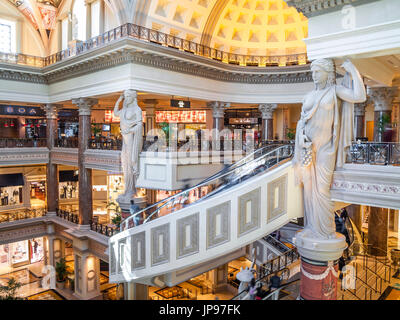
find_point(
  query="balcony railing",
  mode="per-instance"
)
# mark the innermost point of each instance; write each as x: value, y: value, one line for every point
x: 377, y: 153
x: 22, y: 214
x: 22, y: 143
x: 71, y: 142
x: 104, y: 229
x: 105, y: 144
x: 136, y: 32
x: 66, y: 215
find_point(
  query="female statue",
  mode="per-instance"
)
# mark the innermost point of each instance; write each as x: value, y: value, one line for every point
x: 324, y: 132
x: 131, y: 130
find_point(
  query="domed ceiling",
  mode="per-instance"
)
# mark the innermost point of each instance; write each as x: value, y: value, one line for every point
x: 254, y: 27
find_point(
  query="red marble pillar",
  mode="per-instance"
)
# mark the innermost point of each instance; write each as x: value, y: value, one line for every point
x: 383, y: 101
x: 267, y: 131
x: 319, y: 265
x: 51, y: 168
x: 318, y: 280
x: 378, y: 223
x: 85, y: 174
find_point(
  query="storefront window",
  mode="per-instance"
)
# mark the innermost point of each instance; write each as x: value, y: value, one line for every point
x: 21, y: 253
x: 11, y: 195
x: 68, y: 190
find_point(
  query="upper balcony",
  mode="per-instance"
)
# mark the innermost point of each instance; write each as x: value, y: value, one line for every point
x: 132, y: 55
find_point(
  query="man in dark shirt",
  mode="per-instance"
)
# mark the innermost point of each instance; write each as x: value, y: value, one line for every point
x: 275, y: 282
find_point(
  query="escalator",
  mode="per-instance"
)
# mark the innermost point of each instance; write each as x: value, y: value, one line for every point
x: 221, y: 215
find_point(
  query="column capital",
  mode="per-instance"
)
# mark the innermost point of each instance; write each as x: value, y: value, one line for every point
x: 51, y: 110
x: 359, y: 108
x: 267, y: 110
x: 218, y: 108
x: 382, y: 97
x: 85, y: 105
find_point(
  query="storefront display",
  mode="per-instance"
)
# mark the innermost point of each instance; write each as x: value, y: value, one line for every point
x: 36, y: 250
x: 11, y: 189
x: 68, y: 184
x: 68, y: 190
x: 115, y: 187
x: 11, y: 196
x: 21, y: 253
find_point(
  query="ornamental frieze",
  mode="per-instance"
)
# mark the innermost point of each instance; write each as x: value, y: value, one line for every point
x: 157, y: 57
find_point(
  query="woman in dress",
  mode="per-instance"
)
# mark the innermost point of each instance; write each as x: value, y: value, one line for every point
x: 131, y: 130
x: 324, y: 132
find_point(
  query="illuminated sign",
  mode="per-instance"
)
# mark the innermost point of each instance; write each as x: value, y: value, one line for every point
x: 243, y: 120
x: 109, y: 116
x: 194, y: 116
x: 21, y: 111
x: 180, y: 104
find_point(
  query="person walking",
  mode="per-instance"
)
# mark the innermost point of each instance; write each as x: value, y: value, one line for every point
x: 134, y: 208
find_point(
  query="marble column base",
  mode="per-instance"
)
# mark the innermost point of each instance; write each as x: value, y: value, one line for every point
x: 319, y: 265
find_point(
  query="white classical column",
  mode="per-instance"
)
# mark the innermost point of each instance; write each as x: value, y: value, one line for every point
x: 219, y: 277
x: 102, y: 17
x: 136, y: 291
x: 56, y: 249
x: 267, y: 110
x: 218, y: 113
x: 86, y: 271
x: 59, y: 33
x: 88, y: 5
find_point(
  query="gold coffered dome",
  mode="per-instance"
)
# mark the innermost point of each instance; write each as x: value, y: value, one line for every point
x: 249, y: 27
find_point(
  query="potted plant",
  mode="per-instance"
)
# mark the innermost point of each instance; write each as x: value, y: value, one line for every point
x: 291, y: 133
x: 117, y: 219
x: 61, y: 273
x: 8, y: 292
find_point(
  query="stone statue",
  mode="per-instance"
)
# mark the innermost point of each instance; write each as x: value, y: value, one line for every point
x: 131, y: 130
x: 74, y: 27
x: 324, y: 133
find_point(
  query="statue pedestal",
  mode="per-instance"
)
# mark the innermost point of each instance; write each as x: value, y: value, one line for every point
x: 125, y: 204
x: 319, y: 265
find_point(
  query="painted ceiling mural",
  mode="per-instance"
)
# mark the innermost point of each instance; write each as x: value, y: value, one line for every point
x: 47, y: 10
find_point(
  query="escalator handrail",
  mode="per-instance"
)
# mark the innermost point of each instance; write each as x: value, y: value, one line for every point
x: 208, y: 181
x: 283, y: 286
x: 218, y: 174
x: 223, y: 173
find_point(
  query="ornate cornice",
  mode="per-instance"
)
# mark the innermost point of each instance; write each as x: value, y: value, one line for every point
x: 15, y: 75
x: 311, y: 8
x: 158, y: 57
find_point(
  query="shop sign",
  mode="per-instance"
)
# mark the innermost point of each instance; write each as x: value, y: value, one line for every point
x: 243, y: 120
x: 21, y: 111
x: 109, y: 116
x: 180, y: 103
x: 194, y: 116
